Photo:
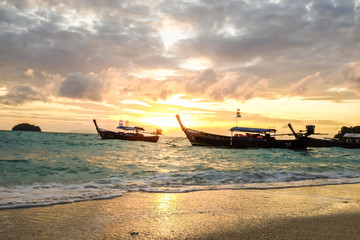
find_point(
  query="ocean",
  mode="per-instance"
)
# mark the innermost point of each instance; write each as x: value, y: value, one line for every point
x: 41, y: 168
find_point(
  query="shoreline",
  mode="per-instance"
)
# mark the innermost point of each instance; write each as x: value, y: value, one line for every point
x: 31, y: 203
x: 314, y: 212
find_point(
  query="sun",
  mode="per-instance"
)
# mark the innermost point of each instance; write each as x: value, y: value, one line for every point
x: 163, y: 122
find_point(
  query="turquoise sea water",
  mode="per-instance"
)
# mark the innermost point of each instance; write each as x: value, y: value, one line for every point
x: 39, y: 169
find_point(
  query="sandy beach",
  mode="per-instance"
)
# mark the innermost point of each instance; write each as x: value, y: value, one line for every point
x: 326, y: 212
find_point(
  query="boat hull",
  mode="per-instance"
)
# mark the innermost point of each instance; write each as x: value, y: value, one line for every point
x: 314, y: 142
x: 106, y: 134
x: 127, y: 137
x: 197, y: 138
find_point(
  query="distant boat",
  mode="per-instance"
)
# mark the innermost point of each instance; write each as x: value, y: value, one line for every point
x: 349, y: 140
x: 128, y: 133
x: 247, y: 138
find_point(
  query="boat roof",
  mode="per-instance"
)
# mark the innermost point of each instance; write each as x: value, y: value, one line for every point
x: 352, y: 135
x: 130, y: 128
x: 258, y: 130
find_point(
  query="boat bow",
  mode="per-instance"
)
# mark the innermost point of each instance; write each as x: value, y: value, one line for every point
x: 181, y: 125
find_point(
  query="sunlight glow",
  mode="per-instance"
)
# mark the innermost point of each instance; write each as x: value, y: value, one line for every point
x: 253, y: 62
x: 183, y: 102
x: 136, y: 102
x: 157, y: 74
x: 175, y: 100
x: 171, y: 32
x: 171, y: 36
x: 196, y: 64
x: 74, y: 20
x: 163, y: 122
x: 338, y: 89
x: 3, y: 91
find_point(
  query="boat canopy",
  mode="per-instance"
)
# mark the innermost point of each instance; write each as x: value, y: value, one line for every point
x: 258, y: 130
x: 130, y: 128
x: 352, y: 135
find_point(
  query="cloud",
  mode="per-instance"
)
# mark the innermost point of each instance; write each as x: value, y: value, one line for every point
x: 254, y: 48
x: 82, y: 86
x: 293, y: 39
x: 208, y: 84
x: 202, y: 82
x: 226, y: 85
x: 351, y: 75
x: 307, y: 85
x: 71, y: 37
x: 20, y: 94
x: 29, y: 73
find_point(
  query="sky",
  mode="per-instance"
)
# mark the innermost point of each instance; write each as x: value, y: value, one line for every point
x: 64, y: 63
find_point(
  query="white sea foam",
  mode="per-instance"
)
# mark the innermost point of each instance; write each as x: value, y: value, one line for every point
x: 50, y: 194
x: 53, y: 193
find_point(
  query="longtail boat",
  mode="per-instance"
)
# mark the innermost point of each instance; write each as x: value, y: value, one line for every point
x: 128, y: 133
x: 349, y: 140
x: 247, y: 138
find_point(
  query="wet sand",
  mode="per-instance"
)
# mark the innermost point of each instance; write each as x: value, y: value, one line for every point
x: 326, y: 212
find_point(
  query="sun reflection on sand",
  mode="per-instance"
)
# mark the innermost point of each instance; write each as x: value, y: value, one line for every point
x: 165, y: 211
x: 166, y: 202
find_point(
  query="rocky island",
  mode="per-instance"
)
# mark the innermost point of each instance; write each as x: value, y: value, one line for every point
x: 26, y: 127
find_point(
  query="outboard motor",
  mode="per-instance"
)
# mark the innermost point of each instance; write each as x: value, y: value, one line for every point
x: 310, y: 129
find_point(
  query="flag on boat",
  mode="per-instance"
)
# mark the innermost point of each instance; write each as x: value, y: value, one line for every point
x: 121, y: 122
x: 126, y: 123
x: 238, y: 113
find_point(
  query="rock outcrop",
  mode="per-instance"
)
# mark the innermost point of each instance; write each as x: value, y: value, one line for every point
x: 26, y: 127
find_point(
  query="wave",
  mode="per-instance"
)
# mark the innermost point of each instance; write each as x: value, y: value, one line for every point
x: 116, y: 185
